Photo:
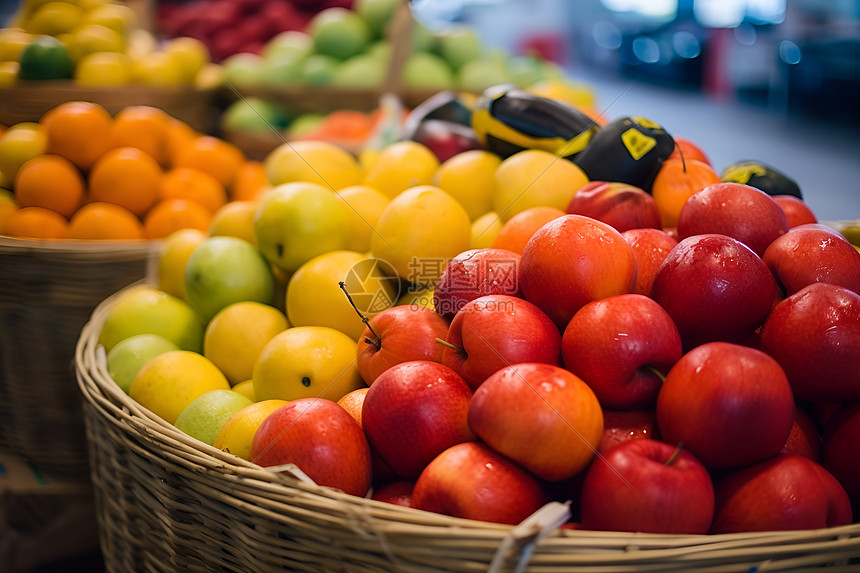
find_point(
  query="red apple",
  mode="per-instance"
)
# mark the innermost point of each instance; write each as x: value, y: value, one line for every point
x: 785, y: 492
x: 797, y: 212
x: 839, y: 455
x: 471, y: 481
x: 445, y: 138
x: 650, y: 486
x: 814, y: 334
x: 399, y: 334
x: 813, y: 253
x: 730, y: 405
x: 620, y: 205
x: 397, y: 492
x: 573, y: 260
x: 804, y: 438
x: 413, y: 411
x: 650, y: 246
x: 474, y: 273
x: 319, y: 437
x: 622, y: 346
x: 734, y: 209
x: 541, y: 416
x: 495, y: 331
x: 622, y: 425
x: 714, y: 288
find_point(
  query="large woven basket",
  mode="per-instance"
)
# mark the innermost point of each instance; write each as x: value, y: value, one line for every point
x: 48, y: 290
x: 166, y: 502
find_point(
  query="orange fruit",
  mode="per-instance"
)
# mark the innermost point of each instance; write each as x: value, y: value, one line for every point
x: 179, y: 136
x: 37, y: 223
x: 128, y: 177
x: 215, y: 156
x: 250, y: 182
x: 144, y: 127
x: 688, y: 149
x: 676, y: 181
x: 517, y: 230
x: 352, y: 402
x: 170, y: 215
x: 80, y: 131
x: 105, y: 221
x: 195, y: 185
x: 50, y: 181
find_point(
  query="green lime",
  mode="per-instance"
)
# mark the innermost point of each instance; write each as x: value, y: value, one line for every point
x: 45, y: 58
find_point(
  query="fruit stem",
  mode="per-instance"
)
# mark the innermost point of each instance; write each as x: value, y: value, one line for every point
x: 376, y: 341
x: 656, y: 372
x: 681, y: 153
x: 675, y: 454
x: 449, y: 345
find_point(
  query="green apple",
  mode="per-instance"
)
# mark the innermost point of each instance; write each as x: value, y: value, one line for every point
x: 381, y: 49
x: 297, y: 221
x: 291, y: 44
x: 222, y: 270
x: 339, y: 32
x: 424, y: 70
x: 244, y: 70
x: 362, y: 71
x: 318, y: 70
x: 254, y: 115
x: 478, y: 75
x: 144, y: 309
x: 526, y: 71
x: 284, y: 71
x: 377, y: 14
x: 126, y: 359
x: 459, y: 44
x: 205, y: 415
x: 423, y: 39
x: 304, y: 124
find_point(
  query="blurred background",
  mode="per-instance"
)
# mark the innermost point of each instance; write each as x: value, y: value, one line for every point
x: 777, y: 81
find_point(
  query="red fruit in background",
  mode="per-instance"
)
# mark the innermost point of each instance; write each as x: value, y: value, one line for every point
x: 474, y: 273
x: 839, y: 456
x: 622, y: 346
x: 650, y: 246
x: 573, y: 260
x: 797, y: 212
x: 677, y: 181
x: 622, y: 425
x: 395, y: 492
x: 413, y: 411
x: 730, y: 405
x: 714, y: 288
x: 541, y: 416
x: 495, y: 331
x: 399, y: 334
x: 785, y: 492
x: 804, y: 438
x: 814, y: 335
x: 471, y: 481
x: 620, y: 205
x: 740, y: 211
x: 650, y: 486
x: 813, y: 253
x: 319, y: 437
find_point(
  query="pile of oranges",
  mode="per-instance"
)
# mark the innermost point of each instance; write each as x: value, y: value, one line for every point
x: 80, y: 173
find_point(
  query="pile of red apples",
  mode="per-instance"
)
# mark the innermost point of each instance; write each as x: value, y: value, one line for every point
x: 703, y: 379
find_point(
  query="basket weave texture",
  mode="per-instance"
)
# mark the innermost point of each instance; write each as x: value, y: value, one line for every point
x: 167, y: 502
x: 48, y: 290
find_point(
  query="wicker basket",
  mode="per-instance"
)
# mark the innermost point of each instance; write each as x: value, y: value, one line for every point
x: 167, y: 502
x: 48, y: 290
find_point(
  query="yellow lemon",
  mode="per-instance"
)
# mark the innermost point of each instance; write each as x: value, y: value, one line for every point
x: 402, y: 165
x: 317, y: 162
x: 533, y: 178
x: 54, y: 18
x: 118, y: 17
x: 169, y: 382
x: 191, y: 54
x: 246, y: 387
x: 20, y: 143
x: 172, y: 259
x: 469, y: 178
x: 235, y: 219
x: 12, y: 43
x: 104, y: 69
x: 9, y: 73
x: 237, y: 433
x: 157, y: 68
x: 92, y: 38
x: 236, y: 335
x: 484, y: 230
x: 307, y: 362
x: 420, y: 231
x: 365, y: 205
x: 314, y: 296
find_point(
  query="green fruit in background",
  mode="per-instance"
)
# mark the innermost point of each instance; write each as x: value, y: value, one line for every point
x: 318, y: 70
x: 423, y: 70
x: 291, y: 44
x: 204, y: 416
x: 126, y: 359
x: 361, y: 71
x: 253, y: 114
x: 45, y: 58
x: 339, y: 32
x: 377, y: 14
x: 478, y: 75
x: 459, y: 45
x: 244, y: 70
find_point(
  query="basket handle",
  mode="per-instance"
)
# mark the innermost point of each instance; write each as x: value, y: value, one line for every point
x: 528, y: 533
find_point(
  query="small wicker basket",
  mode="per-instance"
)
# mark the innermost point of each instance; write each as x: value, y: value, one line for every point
x: 48, y: 290
x: 167, y: 502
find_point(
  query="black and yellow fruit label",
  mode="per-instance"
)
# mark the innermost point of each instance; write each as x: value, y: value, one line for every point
x: 637, y: 143
x: 744, y: 172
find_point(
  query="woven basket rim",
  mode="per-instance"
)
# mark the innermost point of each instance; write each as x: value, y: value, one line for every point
x: 261, y: 486
x: 17, y: 244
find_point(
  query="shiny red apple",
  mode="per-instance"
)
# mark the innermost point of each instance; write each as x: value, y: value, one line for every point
x: 797, y: 212
x: 650, y: 246
x: 620, y: 205
x: 839, y: 454
x: 622, y: 425
x: 475, y: 273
